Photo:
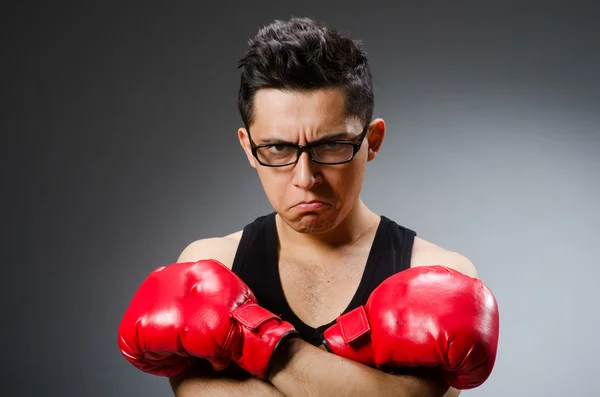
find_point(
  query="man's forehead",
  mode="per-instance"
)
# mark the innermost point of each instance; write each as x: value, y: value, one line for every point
x: 282, y: 98
x: 324, y: 106
x: 290, y: 131
x: 299, y: 115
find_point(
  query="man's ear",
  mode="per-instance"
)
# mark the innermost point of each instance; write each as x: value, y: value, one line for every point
x: 375, y: 137
x: 244, y: 138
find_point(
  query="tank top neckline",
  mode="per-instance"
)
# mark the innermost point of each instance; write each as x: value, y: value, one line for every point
x: 373, y: 259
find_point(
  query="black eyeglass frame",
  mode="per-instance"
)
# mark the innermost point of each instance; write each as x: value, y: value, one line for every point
x: 308, y: 148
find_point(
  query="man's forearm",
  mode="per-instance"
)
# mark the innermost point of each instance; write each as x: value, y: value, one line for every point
x: 304, y: 370
x: 225, y: 387
x: 203, y: 381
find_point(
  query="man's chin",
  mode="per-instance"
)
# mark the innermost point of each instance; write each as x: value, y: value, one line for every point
x: 311, y: 223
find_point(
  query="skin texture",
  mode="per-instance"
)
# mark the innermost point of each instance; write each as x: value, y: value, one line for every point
x: 302, y: 118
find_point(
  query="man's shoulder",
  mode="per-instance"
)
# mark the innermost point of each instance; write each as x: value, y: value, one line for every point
x: 222, y: 249
x: 426, y: 253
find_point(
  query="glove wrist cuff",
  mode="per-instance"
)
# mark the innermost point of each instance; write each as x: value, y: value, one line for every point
x: 280, y: 354
x: 262, y: 334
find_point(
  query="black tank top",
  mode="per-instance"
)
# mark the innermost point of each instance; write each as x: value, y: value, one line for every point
x: 257, y: 264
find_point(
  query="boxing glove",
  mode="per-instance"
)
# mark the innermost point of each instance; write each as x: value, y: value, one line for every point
x: 423, y: 317
x: 187, y: 311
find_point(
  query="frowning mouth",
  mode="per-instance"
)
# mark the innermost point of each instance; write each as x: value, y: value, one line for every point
x: 312, y: 205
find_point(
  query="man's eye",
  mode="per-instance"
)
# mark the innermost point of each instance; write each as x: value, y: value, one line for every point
x: 278, y: 148
x: 281, y: 149
x: 331, y: 146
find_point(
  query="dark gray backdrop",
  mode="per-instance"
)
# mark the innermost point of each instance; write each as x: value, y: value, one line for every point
x: 120, y: 124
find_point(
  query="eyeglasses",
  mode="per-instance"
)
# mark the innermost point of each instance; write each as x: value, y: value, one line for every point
x: 328, y: 152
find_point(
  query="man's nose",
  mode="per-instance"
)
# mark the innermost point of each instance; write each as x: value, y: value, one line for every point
x: 306, y: 175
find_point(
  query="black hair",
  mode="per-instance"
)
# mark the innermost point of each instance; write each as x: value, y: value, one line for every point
x: 301, y: 54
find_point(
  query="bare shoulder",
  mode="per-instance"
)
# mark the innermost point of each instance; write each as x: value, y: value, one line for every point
x: 426, y: 253
x: 222, y: 249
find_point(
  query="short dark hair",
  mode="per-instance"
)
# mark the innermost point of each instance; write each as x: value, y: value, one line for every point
x: 301, y: 54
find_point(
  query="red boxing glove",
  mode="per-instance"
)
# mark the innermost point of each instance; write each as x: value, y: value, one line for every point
x: 423, y: 317
x: 195, y: 310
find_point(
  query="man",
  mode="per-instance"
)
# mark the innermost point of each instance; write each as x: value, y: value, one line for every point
x: 292, y: 304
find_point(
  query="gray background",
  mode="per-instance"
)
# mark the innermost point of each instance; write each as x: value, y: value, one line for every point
x: 121, y: 129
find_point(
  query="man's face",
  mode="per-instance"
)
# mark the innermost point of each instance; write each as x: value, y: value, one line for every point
x: 309, y: 197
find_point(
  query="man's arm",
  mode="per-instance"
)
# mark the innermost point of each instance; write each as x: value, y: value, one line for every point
x: 350, y: 379
x: 201, y: 379
x: 304, y: 370
x: 451, y: 259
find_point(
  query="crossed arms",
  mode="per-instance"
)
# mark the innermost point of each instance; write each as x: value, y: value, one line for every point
x: 304, y: 370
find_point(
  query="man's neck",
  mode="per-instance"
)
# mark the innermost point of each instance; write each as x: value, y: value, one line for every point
x: 359, y: 223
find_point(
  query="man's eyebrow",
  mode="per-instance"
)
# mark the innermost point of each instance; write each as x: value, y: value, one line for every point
x: 333, y: 136
x: 336, y: 136
x: 273, y: 140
